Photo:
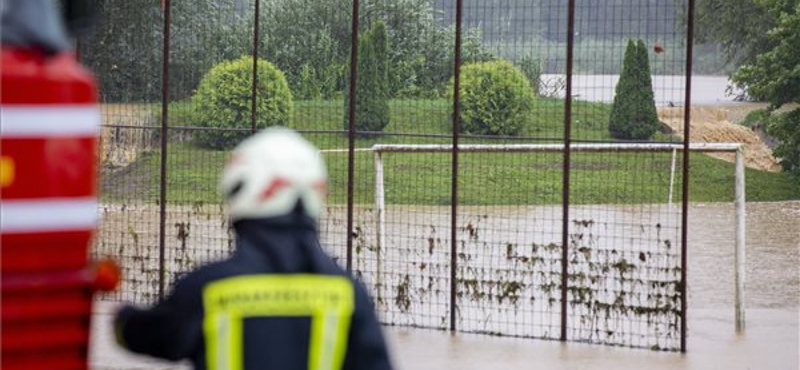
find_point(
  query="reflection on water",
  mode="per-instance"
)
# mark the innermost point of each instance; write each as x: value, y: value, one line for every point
x: 771, y: 343
x: 773, y: 255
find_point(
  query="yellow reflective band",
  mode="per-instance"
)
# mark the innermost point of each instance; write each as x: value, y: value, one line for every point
x: 7, y: 171
x: 328, y: 300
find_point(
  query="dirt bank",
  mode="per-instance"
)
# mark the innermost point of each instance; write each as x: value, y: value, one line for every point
x: 717, y: 124
x: 122, y: 145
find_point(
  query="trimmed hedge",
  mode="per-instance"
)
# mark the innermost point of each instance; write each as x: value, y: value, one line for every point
x: 496, y: 99
x: 634, y: 115
x: 223, y: 100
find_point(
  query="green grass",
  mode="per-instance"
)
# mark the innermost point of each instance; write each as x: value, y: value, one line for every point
x: 428, y: 117
x: 484, y: 178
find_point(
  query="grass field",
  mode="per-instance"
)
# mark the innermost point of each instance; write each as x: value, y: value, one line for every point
x: 485, y: 179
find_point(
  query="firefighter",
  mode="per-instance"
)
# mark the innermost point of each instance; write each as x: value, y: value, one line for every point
x: 279, y: 302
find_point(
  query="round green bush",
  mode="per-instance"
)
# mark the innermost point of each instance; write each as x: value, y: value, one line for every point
x: 224, y: 100
x: 496, y: 99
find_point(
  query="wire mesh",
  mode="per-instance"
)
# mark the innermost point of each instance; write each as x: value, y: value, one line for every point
x: 623, y: 226
x: 624, y: 281
x: 625, y: 267
x: 123, y: 58
x: 129, y: 191
x: 509, y: 248
x: 510, y: 251
x: 404, y: 262
x: 197, y: 230
x: 409, y: 267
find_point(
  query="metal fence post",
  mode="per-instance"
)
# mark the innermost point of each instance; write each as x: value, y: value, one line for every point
x: 162, y: 221
x: 566, y: 169
x: 741, y: 254
x: 351, y: 132
x: 78, y: 48
x: 253, y: 96
x: 454, y: 170
x: 685, y: 186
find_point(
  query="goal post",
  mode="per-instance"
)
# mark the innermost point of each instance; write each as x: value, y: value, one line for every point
x: 739, y: 198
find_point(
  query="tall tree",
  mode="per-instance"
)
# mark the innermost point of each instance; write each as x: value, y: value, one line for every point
x: 774, y: 76
x: 739, y: 26
x: 372, y: 84
x: 633, y: 114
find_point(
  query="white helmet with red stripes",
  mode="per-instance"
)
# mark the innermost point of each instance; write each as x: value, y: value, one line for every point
x: 270, y: 173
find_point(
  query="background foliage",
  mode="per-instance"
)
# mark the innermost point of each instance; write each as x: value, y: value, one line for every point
x: 774, y: 76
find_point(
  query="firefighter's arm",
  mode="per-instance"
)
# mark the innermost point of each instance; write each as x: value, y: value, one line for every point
x: 169, y: 330
x: 366, y: 349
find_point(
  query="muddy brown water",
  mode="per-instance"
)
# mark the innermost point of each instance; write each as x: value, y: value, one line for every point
x: 771, y: 342
x: 773, y: 255
x: 773, y: 284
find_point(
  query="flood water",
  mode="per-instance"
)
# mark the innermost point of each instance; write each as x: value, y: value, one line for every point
x: 773, y: 289
x: 667, y: 89
x: 416, y: 257
x: 773, y: 255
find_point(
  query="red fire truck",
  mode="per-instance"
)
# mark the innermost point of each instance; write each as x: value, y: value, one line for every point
x: 49, y: 123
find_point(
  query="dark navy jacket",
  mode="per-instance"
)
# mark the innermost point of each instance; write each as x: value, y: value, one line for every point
x: 173, y: 329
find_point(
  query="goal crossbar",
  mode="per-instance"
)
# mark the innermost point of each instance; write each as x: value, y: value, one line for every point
x: 581, y: 147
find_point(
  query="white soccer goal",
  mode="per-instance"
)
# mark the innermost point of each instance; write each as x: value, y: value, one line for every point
x: 739, y: 255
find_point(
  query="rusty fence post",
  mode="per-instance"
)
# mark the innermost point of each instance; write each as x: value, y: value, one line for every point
x: 162, y: 220
x: 454, y: 169
x: 565, y: 199
x: 685, y: 188
x: 351, y: 132
x: 253, y: 96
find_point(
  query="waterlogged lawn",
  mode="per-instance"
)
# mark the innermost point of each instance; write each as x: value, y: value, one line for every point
x: 484, y: 178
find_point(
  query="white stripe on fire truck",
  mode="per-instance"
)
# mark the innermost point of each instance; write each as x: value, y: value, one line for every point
x: 49, y: 120
x: 59, y: 214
